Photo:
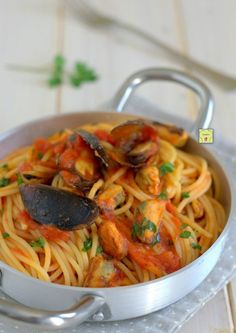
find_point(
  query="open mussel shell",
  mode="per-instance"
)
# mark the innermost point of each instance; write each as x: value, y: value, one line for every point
x: 175, y: 135
x: 127, y: 134
x: 141, y: 153
x: 77, y: 181
x: 95, y: 144
x: 55, y: 207
x: 129, y: 160
x: 135, y: 142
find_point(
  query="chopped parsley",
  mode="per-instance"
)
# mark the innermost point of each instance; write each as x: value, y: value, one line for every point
x: 99, y: 250
x: 196, y: 246
x: 142, y: 206
x: 87, y: 244
x: 185, y: 234
x: 184, y: 225
x: 138, y: 229
x: 40, y: 242
x: 5, y: 235
x: 4, y: 182
x: 166, y: 168
x: 185, y: 195
x: 4, y: 166
x: 163, y: 195
x: 40, y: 155
x: 20, y: 180
x: 148, y: 225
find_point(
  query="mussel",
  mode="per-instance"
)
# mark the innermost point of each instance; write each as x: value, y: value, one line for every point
x: 148, y: 217
x: 79, y: 165
x: 95, y: 144
x: 148, y: 179
x: 140, y: 154
x: 112, y: 197
x: 175, y: 135
x: 135, y: 142
x: 77, y: 181
x: 62, y: 209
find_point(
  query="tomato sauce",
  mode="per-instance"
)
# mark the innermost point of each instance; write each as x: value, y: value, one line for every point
x: 49, y: 232
x: 104, y: 136
x: 166, y: 261
x: 42, y: 145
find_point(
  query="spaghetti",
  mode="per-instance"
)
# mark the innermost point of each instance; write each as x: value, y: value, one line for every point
x: 154, y: 218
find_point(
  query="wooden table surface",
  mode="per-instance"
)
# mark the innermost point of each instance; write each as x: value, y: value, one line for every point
x: 33, y: 31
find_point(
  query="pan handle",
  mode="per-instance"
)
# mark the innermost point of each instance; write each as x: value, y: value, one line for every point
x: 76, y: 315
x: 164, y: 74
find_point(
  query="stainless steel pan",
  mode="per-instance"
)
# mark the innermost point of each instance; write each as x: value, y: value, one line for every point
x: 54, y: 306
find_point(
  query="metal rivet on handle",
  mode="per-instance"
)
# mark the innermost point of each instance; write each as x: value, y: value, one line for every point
x: 98, y: 316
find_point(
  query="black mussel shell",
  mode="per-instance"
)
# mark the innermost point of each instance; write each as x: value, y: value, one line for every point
x: 55, y: 207
x: 95, y: 144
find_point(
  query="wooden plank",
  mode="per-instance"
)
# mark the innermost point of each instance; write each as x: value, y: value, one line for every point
x: 229, y: 308
x: 116, y: 57
x: 210, y: 39
x: 205, y: 31
x: 209, y: 30
x: 60, y: 49
x: 212, y: 318
x: 31, y: 30
x: 232, y: 299
x: 34, y: 31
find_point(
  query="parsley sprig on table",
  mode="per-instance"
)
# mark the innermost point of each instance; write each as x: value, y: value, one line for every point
x: 59, y: 73
x: 56, y: 77
x: 80, y: 74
